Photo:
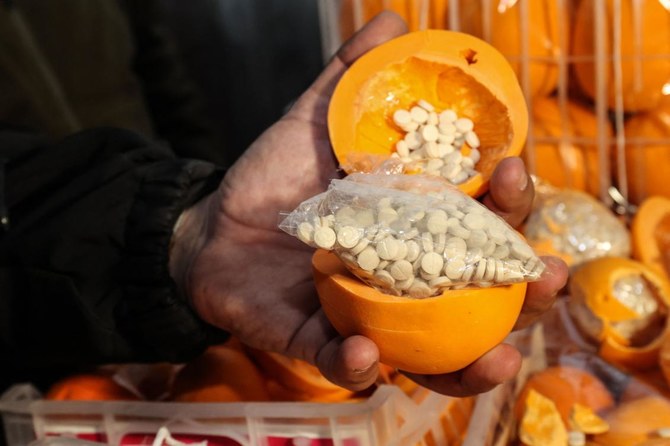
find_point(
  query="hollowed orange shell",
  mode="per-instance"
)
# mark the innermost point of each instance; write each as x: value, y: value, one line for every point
x: 566, y: 386
x: 434, y: 335
x: 592, y: 287
x: 447, y: 69
x: 651, y: 234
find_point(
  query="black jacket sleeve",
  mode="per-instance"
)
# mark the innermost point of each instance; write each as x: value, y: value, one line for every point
x: 84, y: 261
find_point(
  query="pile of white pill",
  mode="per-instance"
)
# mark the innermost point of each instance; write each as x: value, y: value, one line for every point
x: 433, y: 143
x: 416, y: 245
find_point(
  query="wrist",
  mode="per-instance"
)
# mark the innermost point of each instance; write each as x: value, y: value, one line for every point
x: 189, y: 236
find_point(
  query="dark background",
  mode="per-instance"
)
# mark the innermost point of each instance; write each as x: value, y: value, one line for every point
x: 249, y: 58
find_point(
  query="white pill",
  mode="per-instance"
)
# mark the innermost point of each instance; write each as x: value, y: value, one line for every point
x: 497, y: 234
x: 401, y: 270
x: 454, y: 269
x: 439, y: 243
x: 382, y: 233
x: 402, y: 148
x: 458, y: 230
x: 439, y: 282
x: 425, y: 105
x: 454, y: 157
x: 413, y: 140
x: 409, y: 235
x: 419, y: 289
x: 521, y: 250
x: 403, y: 285
x: 402, y: 117
x: 432, y: 263
x: 349, y: 236
x: 490, y: 270
x: 383, y: 264
x: 500, y: 271
x: 501, y: 252
x: 455, y: 248
x: 450, y: 170
x: 413, y: 250
x: 387, y: 215
x: 388, y: 248
x: 427, y: 277
x: 475, y: 156
x: 345, y: 212
x: 464, y: 125
x: 467, y: 164
x: 327, y: 221
x: 460, y: 178
x: 305, y: 232
x: 365, y: 218
x: 477, y: 238
x: 429, y: 133
x: 384, y: 278
x: 362, y: 244
x: 576, y: 438
x: 411, y: 127
x: 468, y: 272
x: 480, y: 271
x: 324, y: 237
x: 448, y: 116
x: 368, y: 259
x: 663, y: 432
x: 431, y: 149
x: 437, y: 222
x: 472, y: 140
x: 473, y: 256
x: 448, y: 129
x: 427, y: 242
x: 489, y: 248
x: 402, y: 250
x: 446, y: 139
x: 474, y: 221
x: 434, y: 164
x: 432, y: 119
x: 444, y: 150
x: 418, y: 114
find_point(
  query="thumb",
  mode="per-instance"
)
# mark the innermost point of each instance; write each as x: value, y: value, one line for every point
x: 385, y: 26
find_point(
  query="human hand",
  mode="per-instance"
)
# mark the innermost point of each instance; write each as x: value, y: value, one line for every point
x: 246, y: 276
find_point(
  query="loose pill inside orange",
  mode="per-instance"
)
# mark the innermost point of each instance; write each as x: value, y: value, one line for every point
x: 449, y: 71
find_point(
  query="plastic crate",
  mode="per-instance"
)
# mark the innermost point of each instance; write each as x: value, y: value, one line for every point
x: 388, y: 417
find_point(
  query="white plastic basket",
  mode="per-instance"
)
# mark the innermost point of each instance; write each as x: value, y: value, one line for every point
x: 387, y: 418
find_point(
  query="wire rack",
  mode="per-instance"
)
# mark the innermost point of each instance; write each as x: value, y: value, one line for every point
x: 624, y: 43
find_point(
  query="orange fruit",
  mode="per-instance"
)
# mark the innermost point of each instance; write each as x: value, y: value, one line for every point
x: 635, y: 422
x: 644, y: 36
x: 434, y: 335
x: 648, y: 153
x: 89, y: 387
x: 296, y: 379
x: 566, y: 386
x: 621, y: 305
x: 650, y: 231
x: 502, y: 29
x: 565, y: 149
x: 447, y: 69
x: 220, y: 374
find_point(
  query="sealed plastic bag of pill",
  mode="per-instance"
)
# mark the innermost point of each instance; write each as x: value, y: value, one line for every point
x: 413, y: 235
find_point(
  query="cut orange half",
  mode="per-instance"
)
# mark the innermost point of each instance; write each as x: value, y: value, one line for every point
x: 449, y: 70
x: 434, y: 335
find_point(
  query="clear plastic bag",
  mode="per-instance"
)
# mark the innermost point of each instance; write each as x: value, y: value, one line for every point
x: 575, y: 226
x: 413, y: 235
